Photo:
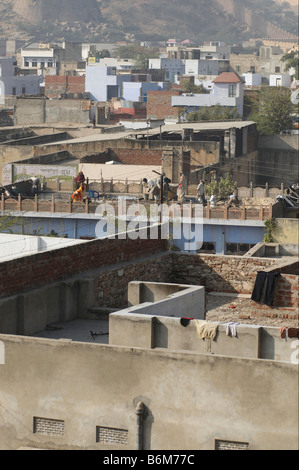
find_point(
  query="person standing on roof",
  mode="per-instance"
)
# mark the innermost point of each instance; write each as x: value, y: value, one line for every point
x: 80, y: 179
x: 181, y: 191
x: 78, y: 194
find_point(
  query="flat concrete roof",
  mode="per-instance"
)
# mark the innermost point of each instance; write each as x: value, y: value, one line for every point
x: 201, y: 126
x: 88, y: 331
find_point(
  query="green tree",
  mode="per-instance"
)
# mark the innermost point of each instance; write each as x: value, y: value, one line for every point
x: 213, y: 113
x: 139, y: 54
x: 273, y: 112
x: 189, y: 87
x: 270, y: 227
x: 221, y: 188
x: 291, y: 60
x: 99, y: 54
x: 9, y: 223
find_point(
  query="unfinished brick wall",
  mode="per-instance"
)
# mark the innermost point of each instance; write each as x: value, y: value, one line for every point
x: 159, y: 104
x: 235, y: 274
x: 43, y: 268
x: 286, y: 299
x: 127, y: 156
x: 57, y: 84
x: 112, y: 285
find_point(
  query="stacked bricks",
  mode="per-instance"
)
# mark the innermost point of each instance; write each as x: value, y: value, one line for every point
x: 55, y: 85
x: 43, y: 268
x: 159, y: 104
x: 286, y: 300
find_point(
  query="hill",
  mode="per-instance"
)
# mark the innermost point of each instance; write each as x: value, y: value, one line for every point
x: 157, y: 20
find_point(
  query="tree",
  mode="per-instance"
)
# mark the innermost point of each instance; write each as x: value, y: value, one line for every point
x: 291, y: 60
x: 213, y: 113
x: 139, y: 54
x: 99, y: 54
x: 8, y: 223
x: 274, y: 111
x: 222, y: 188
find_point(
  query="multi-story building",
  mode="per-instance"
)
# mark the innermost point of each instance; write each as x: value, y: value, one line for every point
x: 228, y: 91
x: 15, y: 84
x: 39, y: 59
x: 173, y: 67
x: 103, y: 83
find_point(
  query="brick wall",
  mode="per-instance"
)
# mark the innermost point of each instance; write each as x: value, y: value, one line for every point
x: 237, y: 274
x: 128, y: 156
x: 286, y: 299
x: 159, y: 104
x: 55, y: 85
x: 43, y: 268
x: 112, y: 285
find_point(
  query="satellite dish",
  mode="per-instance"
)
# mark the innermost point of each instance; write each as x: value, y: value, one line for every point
x: 295, y: 96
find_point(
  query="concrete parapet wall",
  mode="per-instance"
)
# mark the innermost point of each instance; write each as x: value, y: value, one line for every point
x: 133, y: 329
x: 31, y: 312
x: 166, y: 299
x: 191, y: 399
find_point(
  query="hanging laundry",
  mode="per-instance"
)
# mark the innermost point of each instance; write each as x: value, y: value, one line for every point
x: 293, y: 332
x: 231, y: 328
x: 258, y: 286
x: 184, y: 321
x: 283, y: 332
x: 264, y: 287
x: 206, y: 330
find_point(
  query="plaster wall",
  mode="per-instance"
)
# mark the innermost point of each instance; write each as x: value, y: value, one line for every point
x: 166, y: 299
x: 201, y: 397
x: 132, y: 329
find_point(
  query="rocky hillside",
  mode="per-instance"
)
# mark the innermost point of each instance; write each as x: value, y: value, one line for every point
x: 133, y: 20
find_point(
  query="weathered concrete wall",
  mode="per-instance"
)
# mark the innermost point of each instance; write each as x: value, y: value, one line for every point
x: 132, y: 329
x: 41, y: 111
x: 30, y: 312
x: 286, y: 231
x: 280, y: 155
x: 191, y: 399
x: 167, y: 299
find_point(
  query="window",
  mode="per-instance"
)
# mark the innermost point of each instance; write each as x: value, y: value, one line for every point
x: 238, y: 68
x: 49, y: 427
x: 230, y: 445
x: 277, y: 69
x: 26, y: 63
x: 232, y: 90
x: 14, y: 91
x: 207, y: 247
x: 34, y: 63
x: 23, y: 90
x: 238, y: 249
x: 112, y: 436
x: 50, y: 64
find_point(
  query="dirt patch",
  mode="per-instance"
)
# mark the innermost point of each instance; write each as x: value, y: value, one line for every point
x: 241, y: 309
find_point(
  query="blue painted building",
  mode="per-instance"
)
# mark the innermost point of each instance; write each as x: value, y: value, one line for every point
x: 217, y: 236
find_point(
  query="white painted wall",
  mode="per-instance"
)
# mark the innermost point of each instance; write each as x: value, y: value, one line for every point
x: 94, y: 171
x: 16, y: 246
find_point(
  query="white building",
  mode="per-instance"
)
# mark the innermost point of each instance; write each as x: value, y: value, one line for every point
x: 173, y: 67
x: 15, y: 85
x: 121, y: 65
x: 228, y: 90
x: 39, y: 58
x: 252, y: 79
x: 103, y: 83
x: 280, y: 79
